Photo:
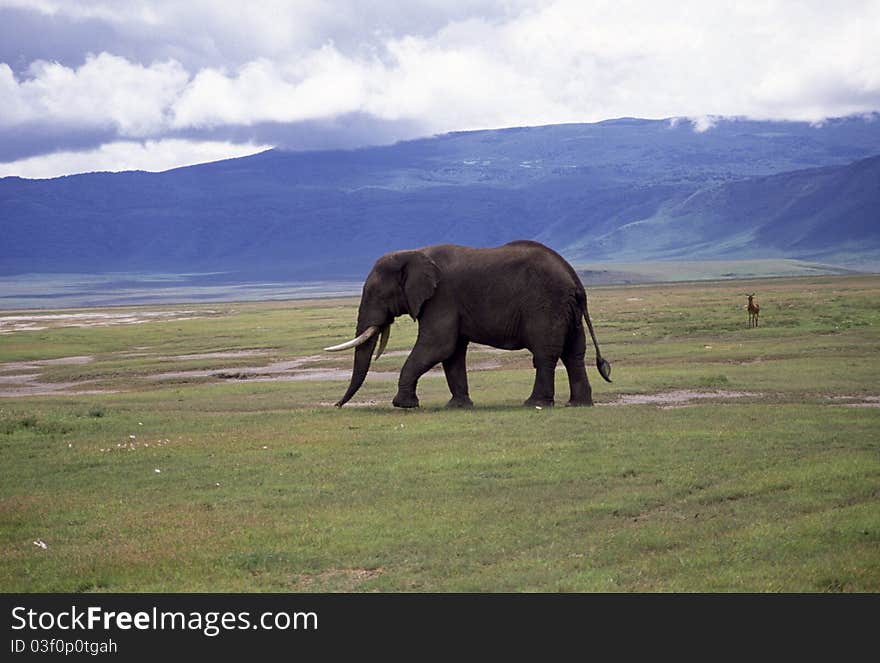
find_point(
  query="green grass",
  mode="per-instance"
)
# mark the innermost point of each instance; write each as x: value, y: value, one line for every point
x: 262, y: 488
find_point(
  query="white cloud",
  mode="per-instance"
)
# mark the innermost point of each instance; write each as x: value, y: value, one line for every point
x: 324, y: 84
x: 704, y: 122
x: 13, y: 110
x: 152, y: 155
x: 105, y: 91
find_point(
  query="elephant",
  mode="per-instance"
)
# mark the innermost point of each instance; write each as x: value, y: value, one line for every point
x: 519, y: 295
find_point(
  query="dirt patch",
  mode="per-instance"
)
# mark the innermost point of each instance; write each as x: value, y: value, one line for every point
x: 667, y: 400
x: 489, y: 365
x: 300, y: 369
x: 342, y: 580
x: 857, y: 401
x: 305, y: 374
x: 40, y: 321
x: 678, y: 397
x: 18, y: 378
x: 225, y: 354
x: 16, y: 366
x: 396, y: 353
x: 370, y: 403
x: 33, y: 387
x: 22, y: 378
x: 345, y: 373
x: 242, y: 372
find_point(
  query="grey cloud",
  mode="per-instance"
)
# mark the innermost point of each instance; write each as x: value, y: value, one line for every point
x: 346, y: 131
x: 200, y: 36
x: 37, y: 138
x: 28, y: 35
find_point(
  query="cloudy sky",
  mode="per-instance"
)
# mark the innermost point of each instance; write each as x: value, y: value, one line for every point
x: 152, y: 84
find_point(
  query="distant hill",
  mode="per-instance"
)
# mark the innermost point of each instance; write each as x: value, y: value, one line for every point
x: 625, y: 189
x: 830, y: 214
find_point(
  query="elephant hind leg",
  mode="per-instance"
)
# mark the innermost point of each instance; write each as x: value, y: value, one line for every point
x: 573, y: 359
x: 455, y: 368
x: 578, y: 382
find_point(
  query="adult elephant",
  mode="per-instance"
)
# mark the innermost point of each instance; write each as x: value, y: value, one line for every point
x: 519, y: 295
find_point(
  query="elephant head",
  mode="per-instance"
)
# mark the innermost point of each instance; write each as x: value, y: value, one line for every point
x: 399, y: 283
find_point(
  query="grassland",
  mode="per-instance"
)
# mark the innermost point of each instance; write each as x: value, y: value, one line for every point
x: 722, y: 458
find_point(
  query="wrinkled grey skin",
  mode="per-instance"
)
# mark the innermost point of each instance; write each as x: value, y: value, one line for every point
x: 519, y: 295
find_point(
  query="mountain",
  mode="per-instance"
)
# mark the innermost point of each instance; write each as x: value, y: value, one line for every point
x: 624, y: 189
x: 830, y: 214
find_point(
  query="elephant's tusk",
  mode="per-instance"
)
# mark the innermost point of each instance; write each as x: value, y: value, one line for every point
x: 383, y: 340
x: 353, y: 343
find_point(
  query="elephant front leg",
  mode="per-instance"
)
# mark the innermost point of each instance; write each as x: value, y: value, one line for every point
x: 455, y: 369
x: 437, y: 341
x: 406, y: 385
x: 545, y: 382
x: 421, y: 360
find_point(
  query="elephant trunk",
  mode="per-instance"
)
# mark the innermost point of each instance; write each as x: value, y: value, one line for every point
x: 363, y: 355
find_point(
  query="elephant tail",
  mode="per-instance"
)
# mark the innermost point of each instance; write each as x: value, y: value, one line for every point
x: 601, y: 364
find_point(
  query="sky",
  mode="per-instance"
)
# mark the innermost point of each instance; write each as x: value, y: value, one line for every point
x: 91, y: 85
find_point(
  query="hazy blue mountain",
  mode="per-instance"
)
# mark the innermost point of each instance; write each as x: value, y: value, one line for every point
x: 623, y: 189
x: 829, y: 214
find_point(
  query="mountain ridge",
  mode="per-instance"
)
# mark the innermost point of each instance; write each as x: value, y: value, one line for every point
x: 625, y: 189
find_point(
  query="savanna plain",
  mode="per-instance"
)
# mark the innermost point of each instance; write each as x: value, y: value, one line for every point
x: 195, y: 448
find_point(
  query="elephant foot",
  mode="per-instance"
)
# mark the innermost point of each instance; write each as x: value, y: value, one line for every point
x: 456, y: 402
x: 580, y: 403
x: 538, y: 402
x: 403, y: 401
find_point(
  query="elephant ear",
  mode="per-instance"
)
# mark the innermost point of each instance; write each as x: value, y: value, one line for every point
x: 419, y: 276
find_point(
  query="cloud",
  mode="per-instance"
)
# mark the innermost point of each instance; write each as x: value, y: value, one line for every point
x: 703, y: 123
x: 324, y: 84
x: 106, y: 91
x: 230, y: 33
x: 350, y: 130
x: 157, y: 69
x: 149, y: 155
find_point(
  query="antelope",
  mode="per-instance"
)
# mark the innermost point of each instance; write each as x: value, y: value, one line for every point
x: 754, y: 310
